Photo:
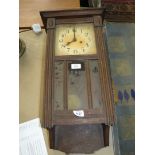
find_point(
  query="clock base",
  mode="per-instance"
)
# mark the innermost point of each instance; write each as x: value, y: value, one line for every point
x: 79, y: 138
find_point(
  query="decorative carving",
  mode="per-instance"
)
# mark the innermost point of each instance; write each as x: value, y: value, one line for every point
x: 51, y: 23
x: 97, y: 21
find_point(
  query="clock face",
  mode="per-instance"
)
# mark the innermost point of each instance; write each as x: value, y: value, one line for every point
x: 75, y: 39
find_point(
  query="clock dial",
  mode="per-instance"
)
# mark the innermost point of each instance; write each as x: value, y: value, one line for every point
x: 75, y: 39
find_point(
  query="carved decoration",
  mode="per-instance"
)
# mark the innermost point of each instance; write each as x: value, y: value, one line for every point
x: 97, y: 21
x: 51, y: 23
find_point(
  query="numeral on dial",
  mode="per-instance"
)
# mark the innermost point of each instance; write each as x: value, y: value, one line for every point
x: 86, y: 34
x: 75, y: 51
x: 68, y: 49
x: 61, y: 40
x: 63, y: 46
x: 87, y: 44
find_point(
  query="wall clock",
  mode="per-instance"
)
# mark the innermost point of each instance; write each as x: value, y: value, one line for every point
x: 77, y: 78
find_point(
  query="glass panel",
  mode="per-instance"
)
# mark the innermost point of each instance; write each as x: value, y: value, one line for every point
x: 77, y: 89
x: 95, y: 84
x: 58, y: 85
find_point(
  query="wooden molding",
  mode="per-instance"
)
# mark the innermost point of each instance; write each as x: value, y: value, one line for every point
x: 76, y: 13
x: 115, y: 12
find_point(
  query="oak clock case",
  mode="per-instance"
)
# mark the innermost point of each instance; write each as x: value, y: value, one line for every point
x: 77, y: 79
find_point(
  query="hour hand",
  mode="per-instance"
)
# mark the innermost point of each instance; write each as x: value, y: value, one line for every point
x: 68, y: 43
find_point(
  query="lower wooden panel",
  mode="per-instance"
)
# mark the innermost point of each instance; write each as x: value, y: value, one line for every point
x: 78, y: 138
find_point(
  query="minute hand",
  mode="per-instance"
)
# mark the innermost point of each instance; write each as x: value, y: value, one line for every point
x: 74, y: 38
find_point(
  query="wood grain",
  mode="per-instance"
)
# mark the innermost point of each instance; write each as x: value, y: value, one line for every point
x: 29, y: 10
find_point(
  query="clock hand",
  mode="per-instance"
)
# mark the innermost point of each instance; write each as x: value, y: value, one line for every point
x: 74, y: 38
x: 68, y: 43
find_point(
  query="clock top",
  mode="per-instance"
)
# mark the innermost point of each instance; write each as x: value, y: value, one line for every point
x: 72, y: 13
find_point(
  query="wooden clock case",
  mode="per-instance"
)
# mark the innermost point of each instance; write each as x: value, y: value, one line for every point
x: 103, y: 115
